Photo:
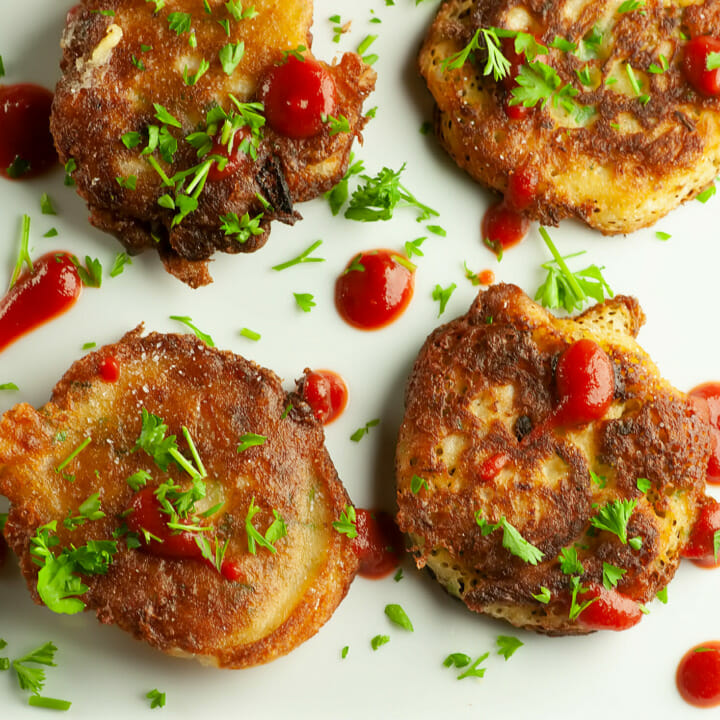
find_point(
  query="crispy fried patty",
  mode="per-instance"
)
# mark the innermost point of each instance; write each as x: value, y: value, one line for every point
x: 117, y: 67
x: 483, y: 385
x: 183, y: 606
x: 635, y: 140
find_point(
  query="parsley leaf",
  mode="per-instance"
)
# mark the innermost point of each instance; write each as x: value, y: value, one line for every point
x: 417, y: 484
x: 346, y: 525
x: 305, y: 301
x: 458, y: 660
x: 241, y: 227
x: 614, y: 517
x: 338, y: 195
x: 91, y: 273
x: 379, y: 640
x: 512, y: 540
x: 507, y: 645
x: 121, y: 260
x: 543, y: 596
x: 360, y: 433
x: 33, y: 678
x: 250, y: 440
x: 474, y: 670
x: 643, y: 484
x: 442, y: 295
x: 185, y: 320
x: 231, y: 55
x: 612, y: 575
x: 569, y: 562
x: 180, y: 22
x: 276, y: 530
x: 398, y: 616
x: 157, y: 698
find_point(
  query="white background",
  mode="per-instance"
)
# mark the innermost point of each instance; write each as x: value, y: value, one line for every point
x: 106, y: 673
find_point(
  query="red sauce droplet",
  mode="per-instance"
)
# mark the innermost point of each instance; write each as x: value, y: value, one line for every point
x: 708, y: 397
x: 522, y: 187
x: 109, y: 369
x: 25, y: 141
x: 695, y: 61
x: 147, y: 515
x: 700, y: 547
x: 326, y: 393
x: 610, y: 611
x: 491, y: 467
x: 374, y: 289
x: 486, y: 277
x: 236, y: 159
x: 378, y: 544
x: 503, y: 227
x: 698, y: 675
x: 37, y: 297
x: 296, y: 95
x: 585, y: 383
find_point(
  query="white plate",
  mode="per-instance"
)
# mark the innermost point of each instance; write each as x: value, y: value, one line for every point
x: 104, y: 671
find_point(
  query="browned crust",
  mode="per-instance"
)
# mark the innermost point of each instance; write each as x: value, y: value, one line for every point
x: 184, y: 607
x: 95, y: 107
x: 651, y: 431
x: 614, y: 179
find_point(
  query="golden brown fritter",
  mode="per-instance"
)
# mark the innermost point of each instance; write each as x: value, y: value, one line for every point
x: 184, y: 606
x: 116, y: 67
x: 484, y: 385
x: 635, y: 140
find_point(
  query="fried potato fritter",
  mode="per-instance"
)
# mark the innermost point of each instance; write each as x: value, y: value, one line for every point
x: 118, y: 68
x: 276, y: 598
x: 483, y: 386
x: 618, y: 137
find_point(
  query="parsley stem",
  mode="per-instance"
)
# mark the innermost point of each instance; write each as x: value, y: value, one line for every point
x: 194, y: 452
x: 73, y: 455
x: 156, y: 166
x: 302, y: 257
x: 561, y: 263
x: 24, y: 254
x: 49, y: 703
x: 181, y: 460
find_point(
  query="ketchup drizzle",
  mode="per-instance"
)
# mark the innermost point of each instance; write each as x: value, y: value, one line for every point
x: 26, y: 145
x: 707, y: 398
x: 378, y: 544
x: 52, y: 288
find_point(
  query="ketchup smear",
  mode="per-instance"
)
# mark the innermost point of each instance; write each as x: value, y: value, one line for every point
x: 326, y: 393
x: 707, y: 397
x: 503, y: 224
x: 697, y: 52
x: 109, y: 369
x: 378, y: 544
x: 297, y: 95
x: 147, y: 514
x: 610, y: 610
x: 374, y: 290
x: 700, y: 547
x: 26, y: 145
x: 38, y: 296
x: 698, y: 675
x: 235, y: 159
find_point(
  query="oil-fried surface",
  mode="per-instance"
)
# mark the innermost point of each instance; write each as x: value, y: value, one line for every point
x: 116, y: 66
x: 635, y: 155
x: 480, y: 385
x: 183, y: 606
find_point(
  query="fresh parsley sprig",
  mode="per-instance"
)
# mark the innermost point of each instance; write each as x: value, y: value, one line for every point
x: 512, y: 540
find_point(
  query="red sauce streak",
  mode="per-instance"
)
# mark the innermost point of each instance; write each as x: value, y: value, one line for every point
x: 491, y: 467
x: 147, y: 515
x: 374, y: 296
x: 697, y: 50
x: 585, y: 383
x: 503, y: 227
x: 698, y: 675
x: 37, y: 297
x: 235, y: 159
x: 700, y: 546
x: 109, y: 369
x: 296, y: 95
x: 378, y: 544
x: 486, y: 277
x: 610, y: 611
x: 25, y: 123
x: 326, y: 393
x: 707, y: 399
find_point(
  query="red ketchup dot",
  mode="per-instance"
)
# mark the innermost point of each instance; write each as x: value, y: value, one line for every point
x: 609, y: 610
x: 698, y: 675
x: 235, y: 159
x: 707, y: 397
x: 51, y: 289
x: 486, y: 277
x: 378, y: 544
x: 296, y: 95
x: 503, y: 227
x: 700, y: 547
x: 26, y: 145
x: 585, y: 383
x: 147, y: 514
x: 697, y: 52
x: 374, y: 289
x: 109, y: 369
x: 326, y: 393
x: 492, y: 466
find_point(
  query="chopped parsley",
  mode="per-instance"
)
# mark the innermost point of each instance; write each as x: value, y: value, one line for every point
x: 614, y: 517
x: 512, y: 540
x: 46, y: 205
x: 458, y: 660
x: 369, y: 59
x: 412, y: 247
x: 575, y: 607
x: 346, y: 525
x: 338, y: 195
x: 379, y: 640
x: 121, y: 260
x: 156, y: 698
x: 337, y: 125
x: 662, y: 595
x: 303, y: 257
x: 275, y: 531
x: 241, y: 227
x: 180, y: 22
x: 643, y: 484
x: 23, y: 257
x: 344, y: 652
x: 250, y: 440
x: 612, y: 575
x: 8, y: 386
x: 543, y: 596
x: 90, y: 273
x: 630, y: 5
x: 186, y: 320
x: 88, y: 510
x: 250, y: 334
x: 417, y: 484
x: 230, y: 56
x: 507, y: 645
x: 473, y: 670
x: 397, y: 615
x: 305, y: 301
x: 360, y: 433
x: 569, y: 562
x: 497, y: 64
x: 442, y: 295
x: 2, y: 67
x: 707, y: 193
x: 398, y: 576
